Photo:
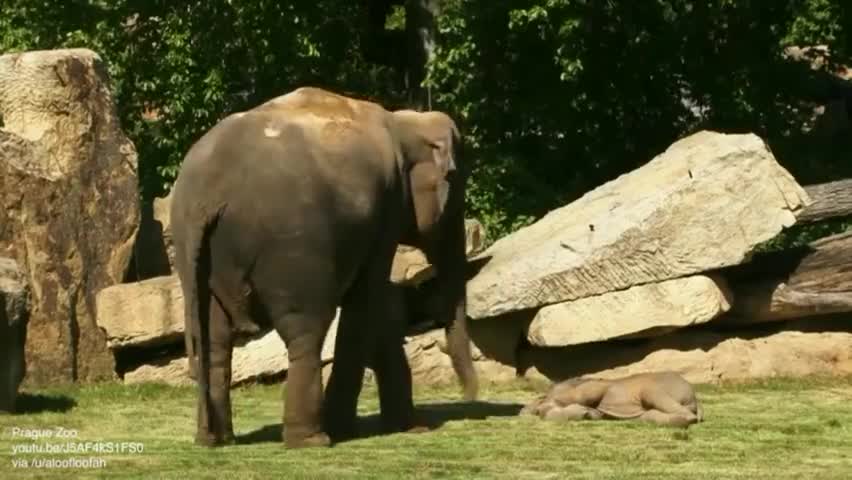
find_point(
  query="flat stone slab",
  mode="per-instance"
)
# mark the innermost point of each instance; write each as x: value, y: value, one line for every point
x: 149, y: 312
x: 643, y: 310
x: 704, y: 203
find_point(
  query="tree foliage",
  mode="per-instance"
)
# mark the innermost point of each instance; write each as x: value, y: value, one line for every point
x: 554, y: 96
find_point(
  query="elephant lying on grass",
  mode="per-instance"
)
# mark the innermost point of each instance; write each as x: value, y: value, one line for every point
x: 664, y: 398
x: 282, y: 213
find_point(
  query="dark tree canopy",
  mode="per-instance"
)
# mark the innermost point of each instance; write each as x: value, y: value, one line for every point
x: 554, y: 96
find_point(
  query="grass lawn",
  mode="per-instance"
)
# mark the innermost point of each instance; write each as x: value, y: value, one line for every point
x: 798, y: 429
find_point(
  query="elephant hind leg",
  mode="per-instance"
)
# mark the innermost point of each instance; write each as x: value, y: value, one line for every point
x: 367, y: 332
x: 682, y: 420
x: 354, y: 339
x: 573, y: 411
x: 393, y: 376
x: 661, y: 400
x: 304, y: 333
x: 215, y: 426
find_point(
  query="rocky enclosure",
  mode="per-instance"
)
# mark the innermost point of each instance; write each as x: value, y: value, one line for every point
x: 642, y: 269
x: 69, y: 205
x: 653, y: 270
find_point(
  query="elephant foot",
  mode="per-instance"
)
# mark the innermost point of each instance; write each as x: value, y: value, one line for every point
x: 316, y: 440
x: 208, y: 439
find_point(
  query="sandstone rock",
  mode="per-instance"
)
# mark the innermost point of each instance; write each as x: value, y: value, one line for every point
x: 68, y: 203
x: 704, y: 203
x: 701, y: 357
x: 499, y: 338
x: 410, y: 266
x: 168, y: 371
x: 14, y: 309
x: 149, y: 312
x: 261, y: 357
x: 648, y: 309
x: 789, y: 354
x: 431, y: 365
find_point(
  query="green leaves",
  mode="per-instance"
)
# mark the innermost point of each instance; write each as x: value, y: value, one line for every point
x: 554, y: 97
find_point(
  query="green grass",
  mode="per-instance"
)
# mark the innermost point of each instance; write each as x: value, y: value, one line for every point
x: 798, y: 429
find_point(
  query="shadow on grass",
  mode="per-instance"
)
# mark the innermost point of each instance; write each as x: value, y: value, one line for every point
x: 433, y: 415
x: 28, y: 403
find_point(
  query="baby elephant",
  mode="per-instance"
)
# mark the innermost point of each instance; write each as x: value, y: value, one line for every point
x: 664, y: 398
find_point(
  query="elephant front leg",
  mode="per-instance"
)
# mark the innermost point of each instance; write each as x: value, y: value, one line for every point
x: 347, y: 373
x: 393, y: 376
x: 215, y: 426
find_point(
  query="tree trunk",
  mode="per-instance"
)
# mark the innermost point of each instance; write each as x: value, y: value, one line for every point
x: 420, y: 18
x: 833, y: 199
x: 802, y: 282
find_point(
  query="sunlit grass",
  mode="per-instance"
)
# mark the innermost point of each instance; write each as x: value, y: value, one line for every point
x: 769, y: 429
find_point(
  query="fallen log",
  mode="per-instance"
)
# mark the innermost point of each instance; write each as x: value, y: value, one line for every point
x: 812, y: 280
x: 828, y: 200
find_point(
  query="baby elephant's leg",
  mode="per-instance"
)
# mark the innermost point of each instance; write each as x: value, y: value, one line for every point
x: 654, y: 399
x: 571, y: 412
x: 538, y: 407
x: 669, y: 419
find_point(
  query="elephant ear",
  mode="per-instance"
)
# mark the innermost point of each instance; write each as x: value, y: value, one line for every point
x: 442, y: 156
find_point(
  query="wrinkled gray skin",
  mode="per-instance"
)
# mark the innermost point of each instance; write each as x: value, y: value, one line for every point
x: 286, y: 211
x: 664, y: 398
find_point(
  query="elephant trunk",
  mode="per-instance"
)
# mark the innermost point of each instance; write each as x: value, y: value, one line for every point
x: 450, y: 261
x: 458, y: 347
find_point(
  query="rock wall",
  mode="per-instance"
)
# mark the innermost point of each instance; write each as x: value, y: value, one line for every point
x: 635, y: 275
x: 68, y: 203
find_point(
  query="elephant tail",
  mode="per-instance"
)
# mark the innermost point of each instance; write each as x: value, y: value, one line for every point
x: 195, y: 278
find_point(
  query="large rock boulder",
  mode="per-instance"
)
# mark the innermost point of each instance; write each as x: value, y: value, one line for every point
x: 643, y: 310
x: 149, y: 312
x: 801, y: 348
x: 14, y: 310
x: 68, y: 203
x: 431, y: 364
x: 784, y: 354
x: 703, y: 204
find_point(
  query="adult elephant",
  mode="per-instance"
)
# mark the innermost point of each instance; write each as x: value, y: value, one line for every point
x: 282, y: 213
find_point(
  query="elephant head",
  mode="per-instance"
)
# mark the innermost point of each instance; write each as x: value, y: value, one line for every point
x: 430, y: 144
